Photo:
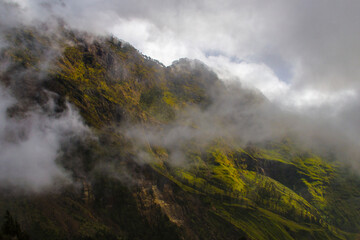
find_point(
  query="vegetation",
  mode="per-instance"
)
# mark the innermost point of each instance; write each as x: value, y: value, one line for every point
x: 11, y: 229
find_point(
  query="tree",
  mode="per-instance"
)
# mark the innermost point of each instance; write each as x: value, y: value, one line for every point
x: 11, y: 228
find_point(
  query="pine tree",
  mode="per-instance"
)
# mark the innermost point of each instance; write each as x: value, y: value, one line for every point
x: 11, y: 228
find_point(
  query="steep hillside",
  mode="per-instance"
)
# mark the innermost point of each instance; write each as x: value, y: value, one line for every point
x: 165, y: 158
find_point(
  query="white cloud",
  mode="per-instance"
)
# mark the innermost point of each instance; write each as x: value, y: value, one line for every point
x: 301, y: 54
x: 310, y: 98
x: 320, y: 38
x: 30, y: 146
x: 255, y: 75
x: 162, y: 45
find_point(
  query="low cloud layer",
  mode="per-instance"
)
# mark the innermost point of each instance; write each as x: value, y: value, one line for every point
x: 302, y: 55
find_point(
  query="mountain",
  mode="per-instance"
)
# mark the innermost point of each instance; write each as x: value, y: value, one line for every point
x: 165, y: 152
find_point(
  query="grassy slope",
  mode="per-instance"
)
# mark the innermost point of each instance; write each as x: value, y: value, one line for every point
x: 249, y: 199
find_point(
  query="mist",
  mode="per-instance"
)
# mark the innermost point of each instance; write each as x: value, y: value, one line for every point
x: 285, y: 74
x: 31, y: 144
x: 34, y: 129
x: 240, y: 117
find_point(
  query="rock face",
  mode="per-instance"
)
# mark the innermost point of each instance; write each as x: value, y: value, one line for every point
x: 172, y: 210
x: 161, y: 159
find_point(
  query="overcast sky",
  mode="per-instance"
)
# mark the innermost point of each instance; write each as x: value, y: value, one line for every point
x: 302, y: 54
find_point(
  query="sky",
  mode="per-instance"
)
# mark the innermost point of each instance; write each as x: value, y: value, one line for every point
x: 299, y: 53
x: 302, y: 54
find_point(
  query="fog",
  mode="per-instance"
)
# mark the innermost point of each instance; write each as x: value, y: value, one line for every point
x: 31, y: 144
x: 241, y: 116
x: 290, y: 69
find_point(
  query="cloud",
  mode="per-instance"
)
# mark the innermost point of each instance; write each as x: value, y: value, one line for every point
x: 30, y: 146
x: 303, y: 55
x: 256, y: 75
x: 308, y: 45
